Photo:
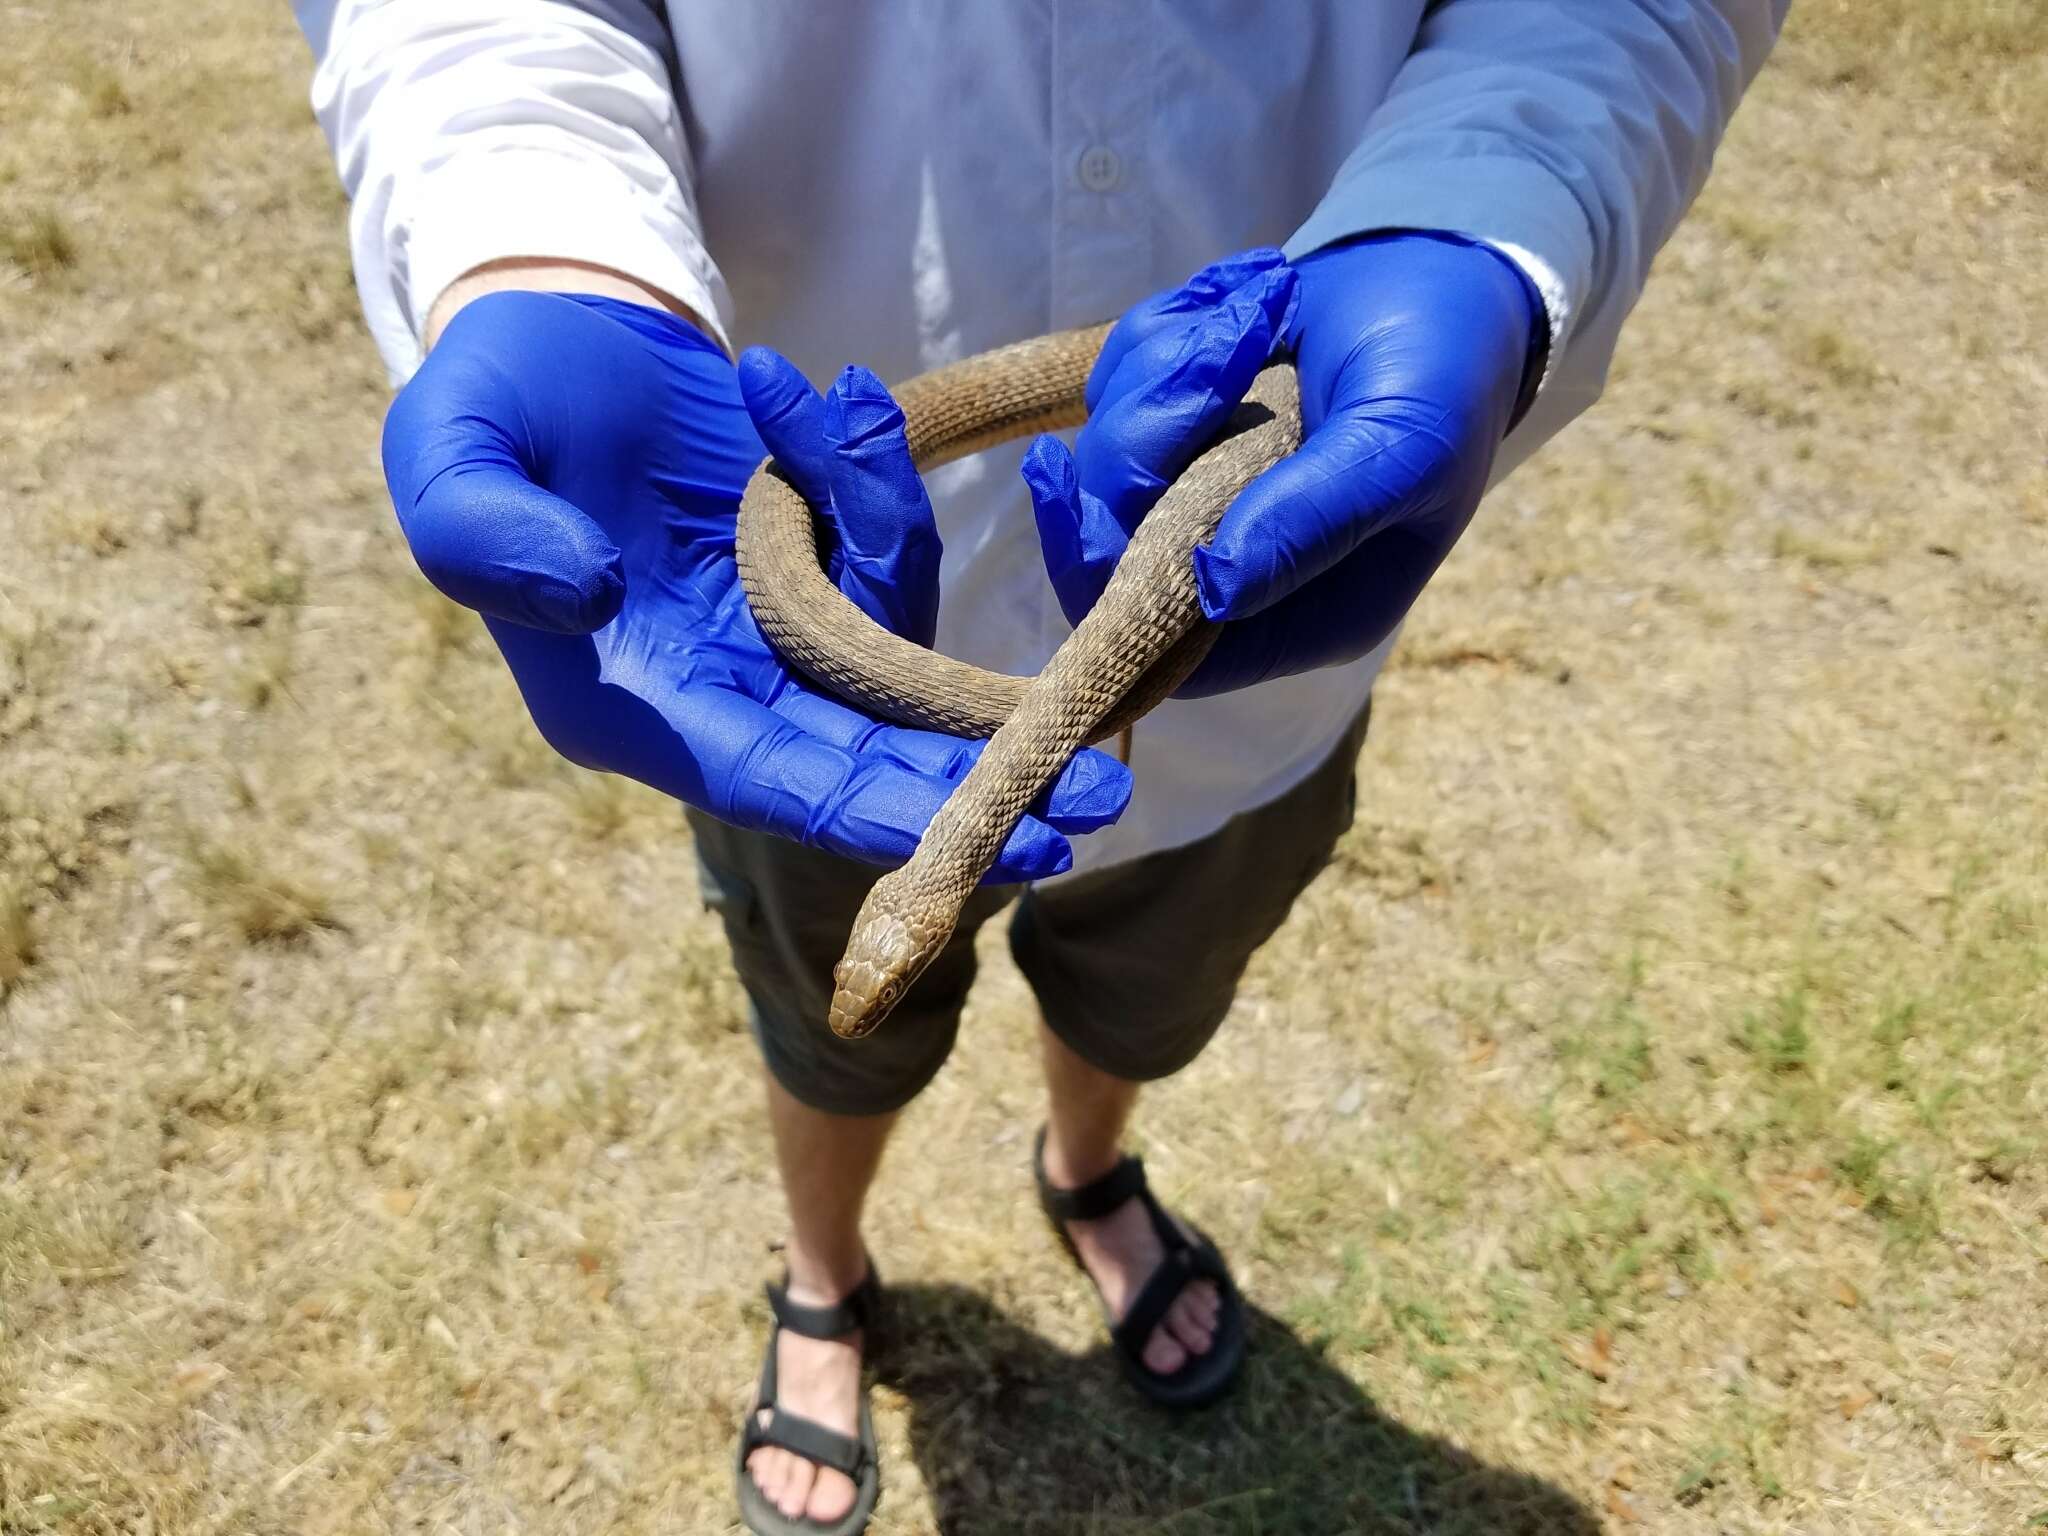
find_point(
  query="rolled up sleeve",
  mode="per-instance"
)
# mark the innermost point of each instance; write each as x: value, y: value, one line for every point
x: 1570, y: 135
x: 467, y: 131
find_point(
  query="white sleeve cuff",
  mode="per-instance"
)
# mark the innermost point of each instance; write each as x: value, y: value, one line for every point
x: 487, y: 202
x: 1505, y: 201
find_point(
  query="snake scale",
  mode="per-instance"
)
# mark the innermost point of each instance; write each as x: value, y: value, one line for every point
x: 1139, y: 642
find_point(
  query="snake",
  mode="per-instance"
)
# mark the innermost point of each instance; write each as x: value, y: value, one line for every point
x: 1140, y: 641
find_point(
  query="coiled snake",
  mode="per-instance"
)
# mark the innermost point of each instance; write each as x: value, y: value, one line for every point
x: 1139, y: 642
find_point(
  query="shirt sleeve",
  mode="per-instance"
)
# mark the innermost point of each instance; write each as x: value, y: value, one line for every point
x: 1570, y: 135
x: 471, y: 130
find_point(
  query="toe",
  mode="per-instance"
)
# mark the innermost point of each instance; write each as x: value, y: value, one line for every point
x: 766, y: 1466
x: 832, y: 1496
x: 1163, y: 1353
x: 796, y: 1490
x: 1187, y: 1324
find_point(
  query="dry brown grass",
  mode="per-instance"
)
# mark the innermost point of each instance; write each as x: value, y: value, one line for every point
x: 39, y: 245
x: 1639, y: 1127
x: 17, y: 938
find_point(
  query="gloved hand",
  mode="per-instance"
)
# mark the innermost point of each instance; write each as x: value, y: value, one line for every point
x: 1412, y: 351
x: 570, y: 466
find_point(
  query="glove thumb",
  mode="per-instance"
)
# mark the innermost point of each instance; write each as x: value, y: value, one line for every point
x: 1080, y: 540
x: 888, y: 539
x: 483, y: 532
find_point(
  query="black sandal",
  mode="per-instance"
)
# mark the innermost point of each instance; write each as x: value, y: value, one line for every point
x: 805, y: 1437
x: 1204, y: 1377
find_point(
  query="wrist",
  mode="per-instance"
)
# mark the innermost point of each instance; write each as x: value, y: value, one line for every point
x: 1535, y: 352
x: 1475, y: 287
x: 543, y: 274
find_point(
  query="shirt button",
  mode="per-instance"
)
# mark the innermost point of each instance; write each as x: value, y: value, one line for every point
x: 1101, y: 168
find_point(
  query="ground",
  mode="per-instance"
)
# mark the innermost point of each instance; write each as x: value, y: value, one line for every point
x: 1640, y: 1126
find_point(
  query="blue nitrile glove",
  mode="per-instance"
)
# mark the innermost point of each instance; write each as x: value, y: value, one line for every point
x: 570, y: 467
x: 1413, y: 352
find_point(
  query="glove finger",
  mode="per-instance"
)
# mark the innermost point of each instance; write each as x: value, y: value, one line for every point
x: 710, y: 746
x: 790, y: 417
x: 1171, y: 395
x: 765, y: 772
x: 479, y: 527
x: 888, y: 538
x: 733, y: 756
x: 1207, y: 288
x: 1090, y: 792
x: 1356, y: 475
x: 494, y: 541
x: 1346, y: 612
x: 1080, y: 541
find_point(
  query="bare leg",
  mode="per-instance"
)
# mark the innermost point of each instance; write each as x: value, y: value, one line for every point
x: 1084, y: 1127
x: 827, y: 1163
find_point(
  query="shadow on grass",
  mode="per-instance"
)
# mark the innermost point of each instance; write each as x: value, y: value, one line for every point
x: 1015, y: 1436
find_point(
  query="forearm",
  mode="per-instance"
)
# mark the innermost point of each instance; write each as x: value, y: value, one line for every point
x: 1571, y: 137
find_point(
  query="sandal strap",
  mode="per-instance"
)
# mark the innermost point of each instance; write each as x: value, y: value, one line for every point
x: 806, y: 1438
x: 1092, y: 1201
x: 1184, y: 1262
x: 1186, y: 1258
x: 855, y: 1310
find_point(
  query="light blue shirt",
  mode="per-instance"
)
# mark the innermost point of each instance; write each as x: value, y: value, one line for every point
x: 901, y: 183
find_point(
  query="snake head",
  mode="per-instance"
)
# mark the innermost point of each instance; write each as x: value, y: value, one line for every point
x: 886, y: 952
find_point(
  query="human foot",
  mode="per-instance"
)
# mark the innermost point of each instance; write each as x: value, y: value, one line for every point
x: 810, y: 1453
x: 1121, y: 1252
x: 1126, y: 1243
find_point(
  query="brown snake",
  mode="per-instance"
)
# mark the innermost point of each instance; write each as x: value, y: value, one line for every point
x: 1139, y: 642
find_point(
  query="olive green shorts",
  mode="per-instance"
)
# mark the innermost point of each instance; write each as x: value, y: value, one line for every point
x: 1134, y: 966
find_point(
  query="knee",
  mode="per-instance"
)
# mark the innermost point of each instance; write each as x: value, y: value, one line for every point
x: 875, y: 1076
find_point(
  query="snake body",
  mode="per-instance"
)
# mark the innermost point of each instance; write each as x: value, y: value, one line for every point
x: 1139, y: 642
